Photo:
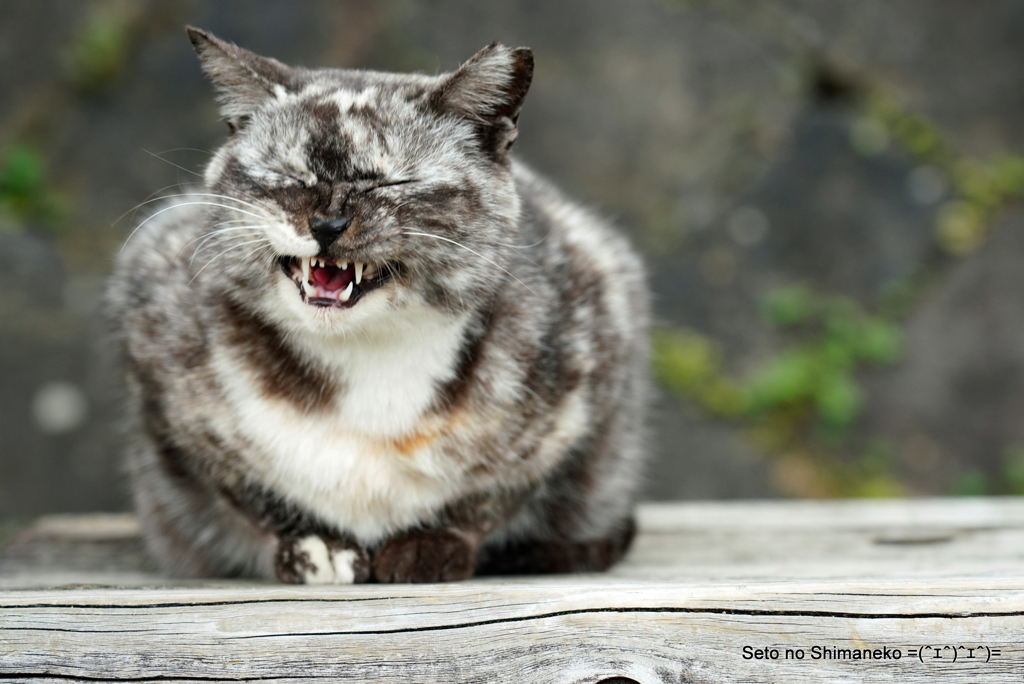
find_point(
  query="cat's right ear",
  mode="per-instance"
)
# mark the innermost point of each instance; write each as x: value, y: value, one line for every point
x: 243, y: 79
x: 489, y: 90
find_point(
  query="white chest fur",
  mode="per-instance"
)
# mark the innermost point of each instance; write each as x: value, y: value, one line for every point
x: 343, y: 463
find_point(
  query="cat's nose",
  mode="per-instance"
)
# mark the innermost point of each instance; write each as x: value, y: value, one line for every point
x: 326, y: 231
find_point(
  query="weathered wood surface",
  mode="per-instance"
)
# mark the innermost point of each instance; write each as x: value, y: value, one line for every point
x: 703, y: 581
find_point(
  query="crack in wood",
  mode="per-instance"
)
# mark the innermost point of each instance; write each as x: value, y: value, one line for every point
x: 136, y: 680
x: 691, y: 611
x: 200, y: 604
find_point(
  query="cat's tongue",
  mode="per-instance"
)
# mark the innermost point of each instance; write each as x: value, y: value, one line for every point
x: 330, y: 277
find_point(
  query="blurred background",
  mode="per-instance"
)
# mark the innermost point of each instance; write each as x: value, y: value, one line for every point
x: 827, y: 195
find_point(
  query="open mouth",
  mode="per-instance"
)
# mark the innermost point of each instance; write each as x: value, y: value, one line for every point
x: 333, y: 282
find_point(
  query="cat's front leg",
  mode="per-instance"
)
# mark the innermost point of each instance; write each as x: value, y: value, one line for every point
x: 315, y: 560
x: 449, y: 550
x: 435, y: 555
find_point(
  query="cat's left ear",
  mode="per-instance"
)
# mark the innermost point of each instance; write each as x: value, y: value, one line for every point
x: 489, y: 90
x: 243, y: 79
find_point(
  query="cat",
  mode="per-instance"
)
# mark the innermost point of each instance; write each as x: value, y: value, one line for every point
x: 376, y: 347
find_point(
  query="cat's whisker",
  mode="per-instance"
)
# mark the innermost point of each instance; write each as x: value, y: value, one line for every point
x: 179, y: 206
x: 207, y: 237
x: 167, y: 161
x: 238, y: 240
x: 217, y: 195
x: 392, y: 272
x: 229, y: 240
x: 497, y: 243
x: 269, y: 254
x: 234, y: 223
x: 208, y: 153
x: 459, y: 244
x: 214, y: 195
x: 154, y: 196
x: 226, y: 251
x: 218, y: 231
x: 228, y: 222
x: 513, y: 246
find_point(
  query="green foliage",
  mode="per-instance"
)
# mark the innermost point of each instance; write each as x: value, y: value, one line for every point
x: 101, y: 52
x: 690, y: 364
x: 870, y: 476
x: 24, y: 196
x: 973, y: 483
x: 989, y: 184
x: 812, y: 383
x: 813, y: 376
x: 22, y: 173
x: 818, y: 373
x: 789, y: 306
x: 915, y: 133
x: 982, y: 187
x: 1012, y: 475
x: 801, y: 403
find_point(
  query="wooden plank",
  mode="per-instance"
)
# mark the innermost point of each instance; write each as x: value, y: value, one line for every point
x: 805, y: 514
x: 706, y: 541
x: 495, y: 632
x: 704, y: 581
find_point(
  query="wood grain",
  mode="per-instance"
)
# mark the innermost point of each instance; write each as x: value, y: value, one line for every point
x: 703, y: 582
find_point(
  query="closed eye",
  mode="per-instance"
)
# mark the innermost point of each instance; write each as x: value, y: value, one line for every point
x: 283, y: 182
x: 388, y: 184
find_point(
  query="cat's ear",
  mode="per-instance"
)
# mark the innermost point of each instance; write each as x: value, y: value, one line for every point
x: 243, y: 79
x: 489, y: 90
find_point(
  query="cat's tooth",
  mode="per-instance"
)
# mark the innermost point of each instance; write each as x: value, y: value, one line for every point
x: 359, y: 272
x: 344, y: 295
x: 343, y: 265
x: 370, y: 271
x: 305, y: 270
x: 308, y: 289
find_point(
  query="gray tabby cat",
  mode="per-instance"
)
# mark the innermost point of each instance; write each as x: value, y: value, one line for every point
x: 374, y: 347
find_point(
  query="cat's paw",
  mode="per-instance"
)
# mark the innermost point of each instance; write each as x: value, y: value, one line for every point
x: 312, y: 560
x: 427, y: 556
